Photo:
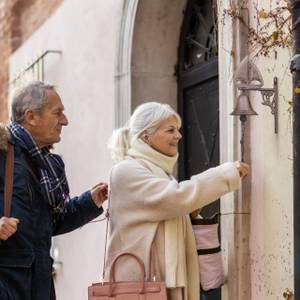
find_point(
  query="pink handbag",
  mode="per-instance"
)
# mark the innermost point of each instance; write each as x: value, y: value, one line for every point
x: 209, y: 253
x: 127, y: 290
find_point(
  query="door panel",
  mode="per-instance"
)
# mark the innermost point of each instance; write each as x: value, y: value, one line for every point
x: 201, y: 131
x: 201, y: 128
x: 198, y: 98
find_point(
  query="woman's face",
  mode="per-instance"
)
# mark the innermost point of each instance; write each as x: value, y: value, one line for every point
x: 165, y: 139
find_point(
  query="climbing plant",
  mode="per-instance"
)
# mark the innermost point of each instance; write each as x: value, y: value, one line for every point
x: 269, y: 30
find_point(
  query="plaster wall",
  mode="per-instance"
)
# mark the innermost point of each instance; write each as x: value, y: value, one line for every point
x: 86, y: 32
x: 154, y: 51
x: 271, y: 232
x: 257, y: 223
x: 271, y: 237
x: 265, y: 203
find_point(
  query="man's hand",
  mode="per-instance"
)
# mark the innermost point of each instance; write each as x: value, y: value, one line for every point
x: 8, y: 226
x: 99, y: 193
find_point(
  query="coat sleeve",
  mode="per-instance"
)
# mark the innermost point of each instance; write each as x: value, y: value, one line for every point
x: 78, y: 211
x: 133, y: 186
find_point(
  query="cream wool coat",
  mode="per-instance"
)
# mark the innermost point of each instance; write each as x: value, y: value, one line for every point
x: 141, y: 201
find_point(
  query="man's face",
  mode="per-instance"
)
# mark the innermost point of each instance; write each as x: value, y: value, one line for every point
x: 45, y: 127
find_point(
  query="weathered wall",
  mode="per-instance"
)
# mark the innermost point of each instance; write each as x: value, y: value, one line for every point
x: 271, y: 238
x: 262, y: 215
x: 271, y: 232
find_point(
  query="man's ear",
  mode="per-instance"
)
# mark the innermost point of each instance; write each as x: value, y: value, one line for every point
x: 30, y: 118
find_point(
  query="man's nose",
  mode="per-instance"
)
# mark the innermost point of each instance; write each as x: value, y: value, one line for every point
x: 64, y: 120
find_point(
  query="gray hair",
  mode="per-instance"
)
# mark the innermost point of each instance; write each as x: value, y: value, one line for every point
x: 32, y: 96
x: 146, y: 118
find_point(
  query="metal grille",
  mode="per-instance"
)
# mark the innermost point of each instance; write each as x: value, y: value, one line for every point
x: 201, y: 40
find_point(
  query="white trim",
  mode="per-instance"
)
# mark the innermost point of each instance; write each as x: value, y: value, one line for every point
x: 122, y: 104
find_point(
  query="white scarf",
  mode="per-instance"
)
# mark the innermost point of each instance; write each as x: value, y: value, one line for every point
x: 176, y: 241
x: 141, y: 150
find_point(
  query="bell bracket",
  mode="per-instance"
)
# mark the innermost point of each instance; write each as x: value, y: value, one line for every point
x: 269, y: 98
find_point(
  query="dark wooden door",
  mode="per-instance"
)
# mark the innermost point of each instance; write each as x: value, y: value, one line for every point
x: 198, y: 90
x: 200, y: 129
x: 198, y: 98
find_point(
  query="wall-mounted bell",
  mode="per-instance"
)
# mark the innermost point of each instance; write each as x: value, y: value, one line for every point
x: 243, y: 106
x: 248, y: 78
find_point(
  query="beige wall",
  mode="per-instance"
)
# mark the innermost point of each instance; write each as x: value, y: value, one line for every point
x: 261, y: 215
x: 154, y: 51
x: 84, y: 76
x: 271, y: 237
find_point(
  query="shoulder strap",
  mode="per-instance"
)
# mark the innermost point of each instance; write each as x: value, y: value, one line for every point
x: 152, y: 251
x: 8, y: 185
x: 105, y: 243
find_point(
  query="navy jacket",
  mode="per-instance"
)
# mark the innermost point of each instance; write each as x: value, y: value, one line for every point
x: 25, y: 262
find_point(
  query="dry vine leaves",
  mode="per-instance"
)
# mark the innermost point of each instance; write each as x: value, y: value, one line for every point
x: 273, y: 28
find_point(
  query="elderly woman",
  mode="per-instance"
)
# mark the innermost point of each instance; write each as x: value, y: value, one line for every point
x: 149, y: 209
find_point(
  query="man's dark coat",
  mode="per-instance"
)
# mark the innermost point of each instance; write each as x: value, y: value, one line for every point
x: 25, y: 262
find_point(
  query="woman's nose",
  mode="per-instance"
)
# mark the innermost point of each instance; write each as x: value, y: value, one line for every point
x: 178, y: 135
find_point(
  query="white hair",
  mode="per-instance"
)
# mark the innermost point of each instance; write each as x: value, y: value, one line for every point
x: 147, y: 117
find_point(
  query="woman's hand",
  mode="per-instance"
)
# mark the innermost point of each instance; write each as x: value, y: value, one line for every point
x: 195, y: 213
x: 243, y: 168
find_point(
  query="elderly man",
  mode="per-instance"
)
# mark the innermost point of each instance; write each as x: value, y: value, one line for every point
x: 41, y: 206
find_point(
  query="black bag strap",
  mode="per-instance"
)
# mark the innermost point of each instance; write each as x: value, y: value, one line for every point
x: 215, y: 219
x: 8, y: 184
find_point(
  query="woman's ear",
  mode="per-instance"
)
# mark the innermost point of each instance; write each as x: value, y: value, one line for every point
x: 145, y: 138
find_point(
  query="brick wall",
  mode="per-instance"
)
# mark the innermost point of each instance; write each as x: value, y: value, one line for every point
x: 18, y: 20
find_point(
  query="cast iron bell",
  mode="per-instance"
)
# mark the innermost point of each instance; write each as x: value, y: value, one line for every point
x: 243, y: 106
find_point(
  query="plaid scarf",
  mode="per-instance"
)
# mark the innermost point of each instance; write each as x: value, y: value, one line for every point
x: 50, y: 166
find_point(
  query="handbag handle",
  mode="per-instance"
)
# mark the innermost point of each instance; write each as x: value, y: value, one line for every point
x: 112, y: 277
x: 8, y: 186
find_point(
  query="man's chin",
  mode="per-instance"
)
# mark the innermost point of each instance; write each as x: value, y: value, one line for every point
x: 55, y: 141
